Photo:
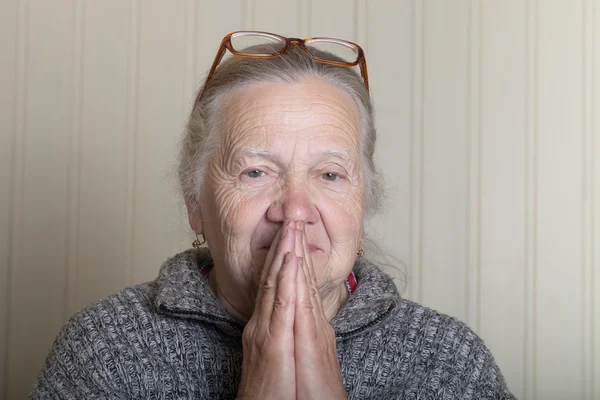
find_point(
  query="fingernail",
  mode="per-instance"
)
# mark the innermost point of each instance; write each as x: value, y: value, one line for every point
x: 288, y: 257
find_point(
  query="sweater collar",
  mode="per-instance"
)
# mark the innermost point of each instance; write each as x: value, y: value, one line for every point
x: 183, y: 291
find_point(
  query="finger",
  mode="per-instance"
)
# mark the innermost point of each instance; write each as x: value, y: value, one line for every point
x: 302, y: 250
x: 311, y: 276
x: 275, y: 247
x: 298, y: 243
x: 271, y: 253
x: 282, y: 317
x: 268, y: 286
x: 304, y: 322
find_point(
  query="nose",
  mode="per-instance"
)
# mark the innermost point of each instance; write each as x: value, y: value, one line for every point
x: 294, y: 204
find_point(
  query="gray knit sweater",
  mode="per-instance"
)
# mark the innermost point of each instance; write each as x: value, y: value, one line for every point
x: 172, y: 339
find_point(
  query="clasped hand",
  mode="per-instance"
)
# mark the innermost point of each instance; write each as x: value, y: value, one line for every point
x: 288, y: 343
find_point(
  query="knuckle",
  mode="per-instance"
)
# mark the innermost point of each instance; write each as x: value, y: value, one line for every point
x: 252, y: 328
x: 281, y: 303
x: 249, y: 331
x: 247, y: 340
x: 249, y: 326
x: 306, y: 304
x: 251, y: 339
x: 268, y: 285
x: 283, y: 275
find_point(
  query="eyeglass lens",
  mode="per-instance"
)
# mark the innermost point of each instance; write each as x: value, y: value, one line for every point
x: 340, y: 51
x: 254, y: 43
x: 328, y: 49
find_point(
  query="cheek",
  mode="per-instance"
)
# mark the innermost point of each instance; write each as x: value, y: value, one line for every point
x: 238, y: 214
x: 342, y: 217
x: 234, y: 221
x: 342, y: 221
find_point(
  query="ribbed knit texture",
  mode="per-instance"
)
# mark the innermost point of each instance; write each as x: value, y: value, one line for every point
x: 172, y: 339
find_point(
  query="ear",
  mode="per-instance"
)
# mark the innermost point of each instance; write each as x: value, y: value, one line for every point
x: 195, y: 217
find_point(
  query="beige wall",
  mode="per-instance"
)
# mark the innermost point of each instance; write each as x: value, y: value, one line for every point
x: 488, y: 135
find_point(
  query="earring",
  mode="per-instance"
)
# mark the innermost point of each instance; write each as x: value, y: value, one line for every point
x: 360, y: 253
x: 197, y: 243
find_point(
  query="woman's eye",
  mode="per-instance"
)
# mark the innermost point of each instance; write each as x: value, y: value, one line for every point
x: 255, y: 173
x: 330, y: 176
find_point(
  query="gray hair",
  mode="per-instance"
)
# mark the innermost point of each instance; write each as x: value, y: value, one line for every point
x: 202, y: 135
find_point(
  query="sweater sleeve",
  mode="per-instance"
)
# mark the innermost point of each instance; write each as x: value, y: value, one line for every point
x: 79, y: 365
x: 485, y: 381
x: 446, y: 361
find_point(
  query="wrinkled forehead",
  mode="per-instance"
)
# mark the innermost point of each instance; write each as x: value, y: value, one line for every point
x: 312, y: 110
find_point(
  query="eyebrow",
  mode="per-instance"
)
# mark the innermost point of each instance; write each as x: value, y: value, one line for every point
x: 343, y: 155
x: 256, y: 151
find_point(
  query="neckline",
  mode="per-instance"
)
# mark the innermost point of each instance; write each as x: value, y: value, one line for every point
x: 350, y: 283
x: 182, y: 291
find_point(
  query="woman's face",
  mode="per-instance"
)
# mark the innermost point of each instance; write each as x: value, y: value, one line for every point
x: 288, y: 152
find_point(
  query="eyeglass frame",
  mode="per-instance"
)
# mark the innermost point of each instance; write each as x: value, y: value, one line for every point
x: 226, y: 45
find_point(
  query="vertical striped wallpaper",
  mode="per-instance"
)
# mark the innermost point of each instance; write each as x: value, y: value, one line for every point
x: 488, y: 136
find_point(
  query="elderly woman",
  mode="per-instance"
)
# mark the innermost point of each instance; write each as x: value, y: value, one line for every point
x: 278, y: 176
